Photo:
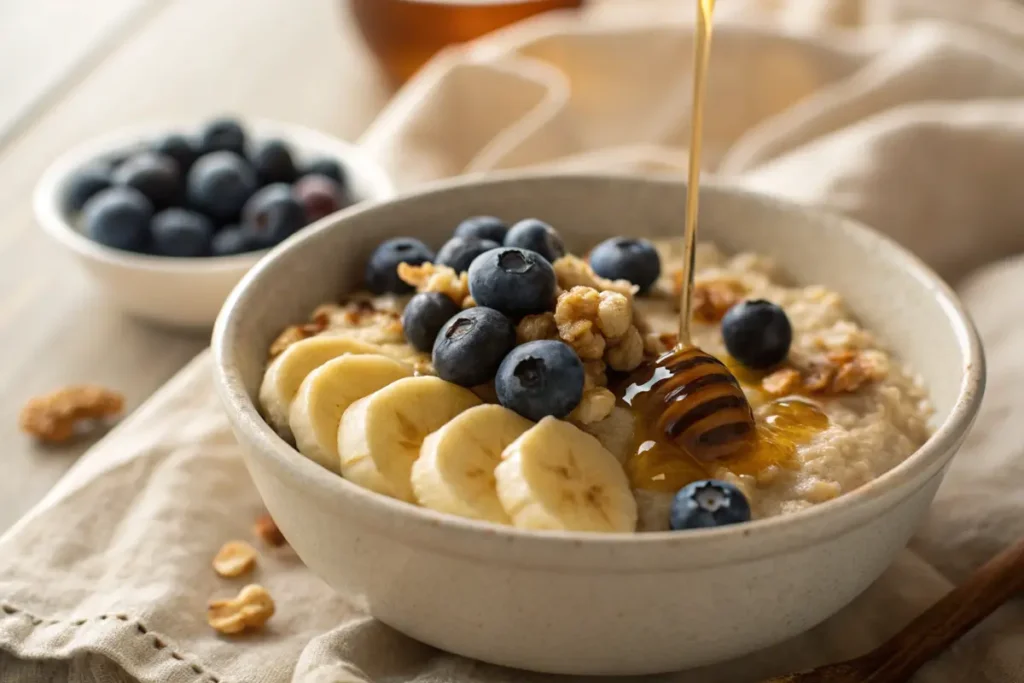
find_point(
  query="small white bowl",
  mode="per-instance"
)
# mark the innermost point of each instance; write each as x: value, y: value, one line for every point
x: 585, y: 603
x: 181, y: 292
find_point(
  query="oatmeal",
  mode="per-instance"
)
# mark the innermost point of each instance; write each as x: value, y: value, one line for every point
x: 514, y: 391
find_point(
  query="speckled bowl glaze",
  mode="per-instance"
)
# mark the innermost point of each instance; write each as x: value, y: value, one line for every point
x: 588, y: 603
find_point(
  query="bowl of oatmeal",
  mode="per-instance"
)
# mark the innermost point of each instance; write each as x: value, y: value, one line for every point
x: 486, y: 433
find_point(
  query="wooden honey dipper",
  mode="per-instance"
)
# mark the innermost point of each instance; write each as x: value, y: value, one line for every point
x: 703, y: 410
x: 896, y: 660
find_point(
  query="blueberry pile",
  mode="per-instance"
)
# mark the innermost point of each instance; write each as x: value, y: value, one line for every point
x: 216, y: 193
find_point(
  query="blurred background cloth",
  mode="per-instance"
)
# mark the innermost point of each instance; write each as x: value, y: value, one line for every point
x: 907, y: 114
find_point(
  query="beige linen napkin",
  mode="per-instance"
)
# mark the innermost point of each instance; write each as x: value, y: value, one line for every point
x: 908, y: 114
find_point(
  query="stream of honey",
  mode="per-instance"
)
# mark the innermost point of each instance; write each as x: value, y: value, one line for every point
x: 691, y: 415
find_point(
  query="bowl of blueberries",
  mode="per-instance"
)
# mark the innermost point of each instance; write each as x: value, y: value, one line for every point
x: 168, y: 218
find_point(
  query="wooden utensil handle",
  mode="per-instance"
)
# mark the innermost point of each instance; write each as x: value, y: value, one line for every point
x: 954, y: 615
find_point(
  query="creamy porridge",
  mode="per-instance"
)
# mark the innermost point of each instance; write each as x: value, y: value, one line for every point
x: 833, y: 414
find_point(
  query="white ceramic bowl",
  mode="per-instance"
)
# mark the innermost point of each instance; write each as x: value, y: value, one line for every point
x: 183, y: 292
x: 590, y: 603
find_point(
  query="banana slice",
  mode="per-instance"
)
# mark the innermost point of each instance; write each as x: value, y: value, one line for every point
x: 380, y: 435
x: 455, y: 470
x: 557, y: 477
x: 327, y: 392
x: 284, y: 375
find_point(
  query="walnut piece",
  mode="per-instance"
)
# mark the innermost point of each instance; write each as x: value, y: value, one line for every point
x: 596, y: 405
x: 837, y: 372
x: 250, y: 610
x: 713, y: 297
x: 614, y: 314
x: 594, y: 374
x: 427, y: 277
x: 267, y: 531
x: 576, y: 317
x: 781, y: 382
x: 54, y: 417
x: 536, y: 327
x: 234, y: 559
x: 572, y: 271
x: 626, y: 353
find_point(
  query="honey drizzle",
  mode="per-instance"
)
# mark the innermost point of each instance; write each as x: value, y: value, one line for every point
x: 701, y: 55
x: 667, y: 402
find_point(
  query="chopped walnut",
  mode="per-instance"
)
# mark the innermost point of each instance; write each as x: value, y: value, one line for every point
x: 468, y: 302
x: 266, y: 529
x: 596, y: 405
x: 250, y: 610
x: 627, y: 353
x: 234, y: 559
x: 781, y: 382
x: 55, y: 416
x: 536, y: 327
x: 572, y: 271
x: 712, y: 298
x: 576, y: 316
x: 594, y: 374
x: 614, y: 314
x: 838, y: 372
x: 292, y: 334
x: 428, y: 277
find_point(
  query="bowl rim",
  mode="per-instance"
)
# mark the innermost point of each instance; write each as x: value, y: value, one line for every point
x: 417, y: 525
x: 50, y: 215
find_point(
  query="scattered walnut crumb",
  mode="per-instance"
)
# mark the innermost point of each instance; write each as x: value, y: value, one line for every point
x: 837, y: 372
x: 712, y: 298
x: 781, y: 382
x: 234, y: 559
x: 249, y: 610
x: 267, y: 531
x: 536, y: 327
x: 596, y: 405
x: 54, y: 417
x: 428, y: 277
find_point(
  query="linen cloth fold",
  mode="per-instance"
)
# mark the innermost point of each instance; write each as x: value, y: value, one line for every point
x: 906, y: 114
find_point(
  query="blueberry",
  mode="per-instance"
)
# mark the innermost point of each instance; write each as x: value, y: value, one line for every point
x: 272, y: 160
x: 154, y: 175
x: 625, y: 258
x: 458, y: 252
x: 180, y: 232
x: 85, y: 183
x: 328, y: 167
x: 179, y: 148
x: 757, y: 333
x: 222, y: 135
x: 424, y: 316
x: 272, y: 215
x: 540, y: 378
x: 232, y: 240
x: 382, y: 266
x: 319, y: 195
x: 536, y: 236
x: 482, y: 228
x: 219, y: 184
x: 471, y: 345
x: 119, y: 217
x: 708, y: 503
x: 516, y: 282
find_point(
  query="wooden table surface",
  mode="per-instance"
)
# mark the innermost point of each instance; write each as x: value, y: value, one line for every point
x: 85, y: 68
